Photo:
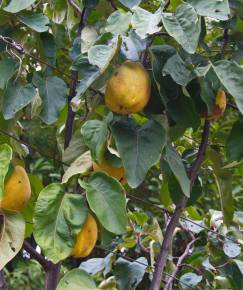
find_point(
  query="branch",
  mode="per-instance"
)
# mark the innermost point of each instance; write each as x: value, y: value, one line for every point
x: 113, y: 5
x: 75, y: 6
x: 225, y: 42
x: 167, y: 4
x: 73, y: 86
x: 186, y: 253
x: 36, y: 256
x: 161, y: 262
x: 3, y: 285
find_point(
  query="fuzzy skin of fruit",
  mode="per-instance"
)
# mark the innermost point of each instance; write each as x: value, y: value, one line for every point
x: 117, y: 173
x: 128, y: 90
x: 86, y: 239
x: 219, y: 106
x: 17, y: 190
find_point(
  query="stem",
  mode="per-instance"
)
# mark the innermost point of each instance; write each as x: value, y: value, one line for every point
x: 75, y: 6
x: 186, y: 253
x: 52, y: 276
x: 73, y: 86
x: 3, y: 285
x: 35, y: 255
x: 161, y: 262
x: 225, y: 42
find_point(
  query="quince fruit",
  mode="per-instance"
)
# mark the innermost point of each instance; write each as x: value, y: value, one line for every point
x: 86, y: 238
x: 219, y: 106
x: 17, y: 190
x: 116, y: 172
x: 128, y: 90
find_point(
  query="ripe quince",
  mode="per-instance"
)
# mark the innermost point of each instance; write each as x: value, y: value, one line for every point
x: 17, y: 190
x: 116, y: 172
x: 128, y: 90
x: 86, y: 238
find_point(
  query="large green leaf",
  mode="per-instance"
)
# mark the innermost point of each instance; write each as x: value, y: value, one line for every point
x: 145, y: 22
x: 234, y: 148
x: 12, y: 237
x: 5, y: 158
x: 7, y: 70
x: 53, y: 91
x: 214, y: 9
x: 77, y: 279
x: 123, y: 18
x: 176, y: 67
x: 231, y: 75
x: 190, y: 279
x: 38, y: 21
x: 183, y: 25
x: 16, y: 5
x: 209, y: 88
x: 178, y: 168
x: 16, y: 97
x: 88, y: 74
x: 140, y: 147
x: 129, y: 274
x: 101, y: 55
x: 58, y: 218
x: 80, y: 166
x: 223, y: 178
x: 106, y: 198
x: 95, y: 135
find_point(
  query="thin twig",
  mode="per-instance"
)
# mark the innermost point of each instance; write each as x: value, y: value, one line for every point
x: 186, y: 253
x: 3, y: 285
x: 75, y: 6
x: 225, y: 42
x: 161, y: 262
x: 167, y: 4
x: 32, y: 147
x: 113, y: 5
x: 35, y: 255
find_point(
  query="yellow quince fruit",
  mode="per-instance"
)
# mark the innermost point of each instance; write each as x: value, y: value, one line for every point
x: 128, y: 90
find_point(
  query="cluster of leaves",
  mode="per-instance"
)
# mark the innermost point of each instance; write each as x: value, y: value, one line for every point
x: 191, y: 49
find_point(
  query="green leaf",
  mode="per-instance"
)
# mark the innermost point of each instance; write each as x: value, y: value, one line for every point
x: 132, y: 46
x: 95, y: 135
x: 80, y: 166
x: 12, y: 237
x: 190, y: 279
x: 129, y: 275
x: 101, y: 55
x: 231, y: 249
x: 234, y: 149
x: 140, y: 147
x: 209, y: 88
x: 77, y: 279
x: 231, y: 74
x: 176, y: 67
x: 58, y: 219
x: 145, y: 22
x: 88, y: 74
x: 178, y: 169
x: 38, y: 21
x: 214, y: 9
x: 5, y: 158
x: 123, y: 18
x: 130, y: 3
x: 7, y: 70
x: 53, y: 91
x: 183, y: 25
x: 16, y: 97
x: 223, y: 179
x: 239, y: 264
x: 106, y: 199
x: 15, y: 5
